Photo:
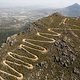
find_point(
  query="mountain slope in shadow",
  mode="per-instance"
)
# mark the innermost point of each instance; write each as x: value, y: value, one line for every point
x: 72, y: 11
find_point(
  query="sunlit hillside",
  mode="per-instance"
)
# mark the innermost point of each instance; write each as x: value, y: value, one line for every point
x: 47, y: 50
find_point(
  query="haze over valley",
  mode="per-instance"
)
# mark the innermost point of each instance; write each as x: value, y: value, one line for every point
x: 13, y: 20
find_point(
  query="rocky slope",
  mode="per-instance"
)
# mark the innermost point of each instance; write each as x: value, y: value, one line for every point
x: 47, y: 50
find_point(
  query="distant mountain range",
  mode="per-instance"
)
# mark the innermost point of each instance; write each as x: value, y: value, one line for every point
x: 72, y: 11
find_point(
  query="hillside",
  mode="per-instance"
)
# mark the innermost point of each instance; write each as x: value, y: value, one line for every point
x: 47, y: 50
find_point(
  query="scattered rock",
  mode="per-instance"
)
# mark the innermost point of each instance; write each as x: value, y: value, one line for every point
x: 76, y: 71
x: 42, y: 64
x: 11, y: 40
x: 3, y: 44
x: 65, y: 55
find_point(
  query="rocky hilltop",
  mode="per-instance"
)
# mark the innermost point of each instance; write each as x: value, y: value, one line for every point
x: 47, y: 50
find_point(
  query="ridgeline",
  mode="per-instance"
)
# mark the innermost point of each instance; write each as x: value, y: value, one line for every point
x: 47, y: 50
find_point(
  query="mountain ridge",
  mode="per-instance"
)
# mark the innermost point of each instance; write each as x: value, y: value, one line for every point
x: 50, y: 46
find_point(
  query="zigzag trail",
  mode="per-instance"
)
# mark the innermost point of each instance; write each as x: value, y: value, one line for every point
x: 23, y: 47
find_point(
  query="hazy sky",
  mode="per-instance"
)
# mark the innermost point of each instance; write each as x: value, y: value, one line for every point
x: 44, y: 3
